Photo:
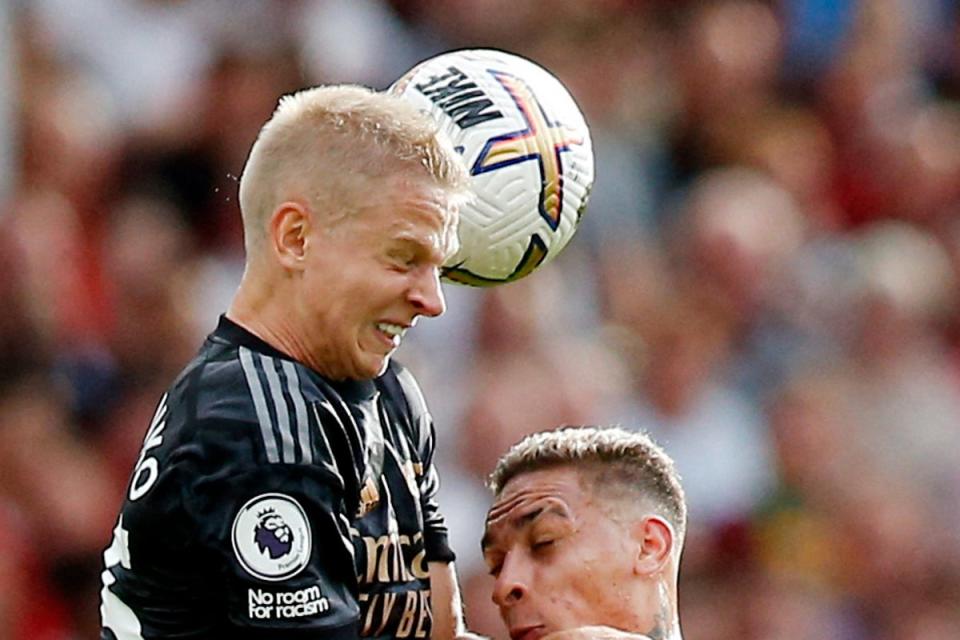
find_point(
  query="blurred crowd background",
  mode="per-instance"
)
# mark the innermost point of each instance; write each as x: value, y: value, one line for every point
x: 767, y: 280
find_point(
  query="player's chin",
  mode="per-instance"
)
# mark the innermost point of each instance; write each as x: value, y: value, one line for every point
x: 383, y: 366
x: 373, y: 365
x: 371, y: 359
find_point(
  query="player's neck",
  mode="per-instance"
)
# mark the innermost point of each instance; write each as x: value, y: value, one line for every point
x: 255, y: 308
x: 670, y: 633
x: 666, y: 623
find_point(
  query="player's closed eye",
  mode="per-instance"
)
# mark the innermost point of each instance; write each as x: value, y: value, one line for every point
x: 542, y: 545
x: 402, y: 260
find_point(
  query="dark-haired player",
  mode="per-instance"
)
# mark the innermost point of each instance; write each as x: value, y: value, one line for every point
x: 584, y: 537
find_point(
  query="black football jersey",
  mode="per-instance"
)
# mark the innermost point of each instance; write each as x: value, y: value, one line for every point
x: 270, y: 502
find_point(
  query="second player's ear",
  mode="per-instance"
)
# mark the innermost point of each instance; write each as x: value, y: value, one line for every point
x: 288, y: 229
x: 654, y: 538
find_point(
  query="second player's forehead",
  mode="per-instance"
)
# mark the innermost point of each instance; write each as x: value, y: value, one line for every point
x: 529, y: 497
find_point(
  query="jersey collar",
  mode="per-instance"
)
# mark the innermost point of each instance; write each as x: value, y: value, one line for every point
x: 233, y: 333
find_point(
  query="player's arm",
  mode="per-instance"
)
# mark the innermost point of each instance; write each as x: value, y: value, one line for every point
x: 445, y: 602
x: 448, y: 623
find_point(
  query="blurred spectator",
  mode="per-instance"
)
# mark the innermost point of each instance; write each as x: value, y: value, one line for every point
x: 29, y: 607
x: 685, y: 398
x: 67, y: 505
x: 356, y: 41
x: 906, y: 389
x: 149, y: 54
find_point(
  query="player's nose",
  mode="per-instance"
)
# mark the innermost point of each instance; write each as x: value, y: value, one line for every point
x: 512, y: 584
x: 426, y: 294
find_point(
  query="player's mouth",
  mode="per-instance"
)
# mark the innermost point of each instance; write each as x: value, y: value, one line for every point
x: 527, y: 633
x: 391, y: 333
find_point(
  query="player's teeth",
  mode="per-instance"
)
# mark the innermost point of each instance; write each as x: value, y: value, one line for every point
x: 393, y: 330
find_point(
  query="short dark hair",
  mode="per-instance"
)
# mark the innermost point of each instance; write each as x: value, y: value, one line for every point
x: 619, y: 460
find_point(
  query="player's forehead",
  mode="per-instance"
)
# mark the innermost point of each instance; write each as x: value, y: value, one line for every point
x: 422, y: 198
x: 417, y: 210
x: 528, y: 497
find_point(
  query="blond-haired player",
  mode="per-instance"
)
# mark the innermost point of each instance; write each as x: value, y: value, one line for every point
x: 286, y: 486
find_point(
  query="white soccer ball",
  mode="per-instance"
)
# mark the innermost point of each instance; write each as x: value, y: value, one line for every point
x: 528, y: 151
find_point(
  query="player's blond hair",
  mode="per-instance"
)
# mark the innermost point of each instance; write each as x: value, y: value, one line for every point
x: 613, y: 462
x: 328, y: 146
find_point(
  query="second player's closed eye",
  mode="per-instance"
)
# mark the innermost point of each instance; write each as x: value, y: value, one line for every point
x: 543, y: 544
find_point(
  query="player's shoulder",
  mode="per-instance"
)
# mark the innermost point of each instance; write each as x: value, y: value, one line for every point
x: 237, y: 383
x: 242, y: 398
x: 403, y: 397
x: 274, y: 396
x: 398, y: 386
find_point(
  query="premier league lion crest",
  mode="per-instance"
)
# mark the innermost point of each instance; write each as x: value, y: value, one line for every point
x: 271, y: 537
x: 272, y: 534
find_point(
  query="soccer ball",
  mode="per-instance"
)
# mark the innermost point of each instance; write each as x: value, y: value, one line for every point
x: 528, y: 151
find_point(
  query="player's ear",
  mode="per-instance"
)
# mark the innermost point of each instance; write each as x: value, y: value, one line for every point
x: 654, y: 538
x: 289, y: 226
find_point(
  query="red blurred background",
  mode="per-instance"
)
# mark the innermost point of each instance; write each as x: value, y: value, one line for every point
x: 766, y: 280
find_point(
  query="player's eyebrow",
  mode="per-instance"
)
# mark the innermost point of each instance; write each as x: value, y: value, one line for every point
x: 518, y: 522
x: 410, y: 241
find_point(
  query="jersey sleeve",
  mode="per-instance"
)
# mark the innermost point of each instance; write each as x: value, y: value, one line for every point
x: 437, y: 547
x: 277, y: 537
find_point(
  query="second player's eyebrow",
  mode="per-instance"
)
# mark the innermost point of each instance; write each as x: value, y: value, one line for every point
x: 518, y: 522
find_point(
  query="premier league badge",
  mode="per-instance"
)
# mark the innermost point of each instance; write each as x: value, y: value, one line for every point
x: 271, y: 537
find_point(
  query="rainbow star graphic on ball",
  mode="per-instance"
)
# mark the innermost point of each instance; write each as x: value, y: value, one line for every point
x: 541, y: 140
